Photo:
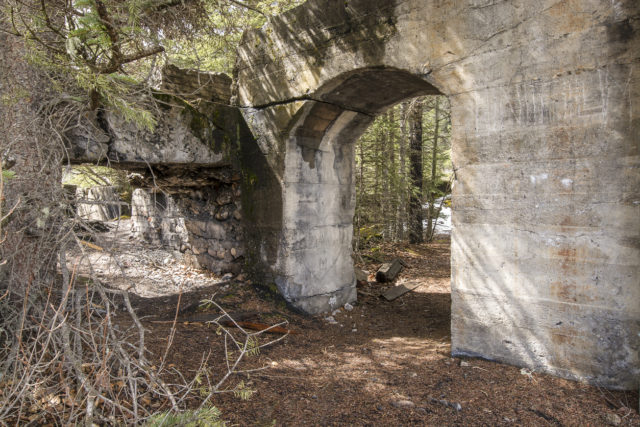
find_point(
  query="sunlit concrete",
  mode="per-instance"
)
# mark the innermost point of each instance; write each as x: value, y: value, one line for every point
x: 545, y: 107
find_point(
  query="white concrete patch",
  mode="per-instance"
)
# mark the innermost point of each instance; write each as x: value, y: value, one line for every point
x: 566, y: 182
x: 535, y: 179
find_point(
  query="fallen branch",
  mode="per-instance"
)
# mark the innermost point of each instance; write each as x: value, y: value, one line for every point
x: 258, y: 327
x: 91, y: 245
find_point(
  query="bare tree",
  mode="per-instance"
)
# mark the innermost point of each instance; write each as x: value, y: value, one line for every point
x: 415, y: 198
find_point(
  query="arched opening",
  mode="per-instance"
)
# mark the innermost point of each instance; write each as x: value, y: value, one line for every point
x: 319, y: 182
x: 404, y: 175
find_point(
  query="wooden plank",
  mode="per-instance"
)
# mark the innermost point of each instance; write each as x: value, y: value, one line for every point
x: 400, y: 290
x: 91, y: 245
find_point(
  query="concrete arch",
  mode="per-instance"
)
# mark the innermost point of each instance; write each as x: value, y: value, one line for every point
x: 318, y: 177
x: 545, y: 97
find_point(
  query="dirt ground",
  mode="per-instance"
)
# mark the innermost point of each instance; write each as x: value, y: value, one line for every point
x: 380, y: 364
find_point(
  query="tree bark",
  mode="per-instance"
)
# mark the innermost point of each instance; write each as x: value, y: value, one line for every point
x: 415, y: 145
x: 391, y: 177
x: 434, y: 166
x: 402, y: 193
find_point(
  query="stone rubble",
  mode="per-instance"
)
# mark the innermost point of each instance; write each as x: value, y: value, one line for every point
x: 145, y: 269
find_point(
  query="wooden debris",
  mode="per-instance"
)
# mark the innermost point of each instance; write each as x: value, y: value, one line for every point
x: 91, y: 245
x: 369, y: 294
x: 400, y: 290
x: 362, y: 278
x: 258, y: 327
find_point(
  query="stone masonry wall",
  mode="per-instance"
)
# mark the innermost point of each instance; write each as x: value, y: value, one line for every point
x: 203, y: 223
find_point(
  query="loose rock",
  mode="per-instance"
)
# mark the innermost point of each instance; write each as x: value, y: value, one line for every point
x: 612, y: 419
x: 403, y: 403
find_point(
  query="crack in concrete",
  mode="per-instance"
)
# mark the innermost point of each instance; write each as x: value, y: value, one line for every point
x: 305, y: 98
x: 325, y: 294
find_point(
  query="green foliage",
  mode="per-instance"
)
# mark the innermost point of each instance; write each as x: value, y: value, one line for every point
x: 242, y: 391
x: 215, y: 50
x: 86, y: 176
x: 14, y: 96
x: 383, y: 178
x: 371, y: 233
x: 105, y: 53
x: 205, y: 304
x: 253, y: 346
x: 8, y: 174
x: 205, y: 417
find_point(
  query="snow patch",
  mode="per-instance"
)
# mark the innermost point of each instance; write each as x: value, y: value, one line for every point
x: 443, y: 224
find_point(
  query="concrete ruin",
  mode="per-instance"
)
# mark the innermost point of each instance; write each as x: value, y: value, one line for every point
x: 545, y: 103
x: 201, y: 223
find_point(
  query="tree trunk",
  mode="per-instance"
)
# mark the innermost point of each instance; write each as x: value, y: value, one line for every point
x: 360, y: 198
x: 415, y: 145
x: 392, y: 177
x: 402, y: 176
x: 434, y: 165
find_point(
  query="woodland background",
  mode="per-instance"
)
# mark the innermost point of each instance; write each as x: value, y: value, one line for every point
x: 61, y: 352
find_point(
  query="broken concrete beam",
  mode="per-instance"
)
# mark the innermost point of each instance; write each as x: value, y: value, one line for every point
x: 388, y: 271
x: 195, y: 84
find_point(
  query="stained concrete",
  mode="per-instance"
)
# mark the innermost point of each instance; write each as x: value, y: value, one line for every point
x: 545, y: 103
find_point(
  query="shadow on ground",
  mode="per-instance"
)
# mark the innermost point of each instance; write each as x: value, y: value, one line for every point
x: 382, y: 363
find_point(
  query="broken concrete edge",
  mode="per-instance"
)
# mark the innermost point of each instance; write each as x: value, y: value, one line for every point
x: 317, y: 304
x: 195, y: 84
x: 196, y: 127
x: 596, y: 380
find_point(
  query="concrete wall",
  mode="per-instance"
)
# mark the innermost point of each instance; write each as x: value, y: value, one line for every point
x: 545, y: 109
x: 189, y: 170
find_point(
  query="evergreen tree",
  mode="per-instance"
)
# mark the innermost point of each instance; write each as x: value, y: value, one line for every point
x: 403, y: 163
x: 104, y: 53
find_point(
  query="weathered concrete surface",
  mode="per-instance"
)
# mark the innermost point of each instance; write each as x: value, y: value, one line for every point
x: 195, y: 85
x: 191, y: 126
x: 182, y: 135
x: 546, y: 116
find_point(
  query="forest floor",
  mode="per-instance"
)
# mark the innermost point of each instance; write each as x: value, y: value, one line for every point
x: 381, y: 363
